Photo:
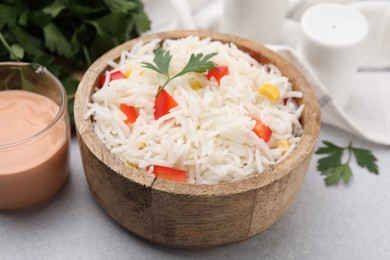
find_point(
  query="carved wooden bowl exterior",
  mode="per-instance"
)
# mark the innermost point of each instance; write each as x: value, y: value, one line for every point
x: 193, y: 215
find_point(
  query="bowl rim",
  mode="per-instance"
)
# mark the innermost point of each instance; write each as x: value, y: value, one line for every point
x: 310, y: 119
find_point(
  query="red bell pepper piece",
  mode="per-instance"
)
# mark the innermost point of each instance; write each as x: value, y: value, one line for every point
x: 262, y: 131
x: 163, y: 103
x: 218, y: 73
x: 113, y: 76
x: 170, y: 173
x: 130, y: 112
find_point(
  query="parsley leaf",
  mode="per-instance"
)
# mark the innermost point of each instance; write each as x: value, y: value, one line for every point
x: 55, y: 8
x: 17, y: 52
x: 334, y: 175
x: 161, y: 59
x: 9, y: 15
x: 120, y: 6
x: 331, y: 161
x: 329, y: 148
x: 197, y: 63
x: 366, y: 159
x: 142, y: 22
x: 334, y: 170
x: 56, y: 41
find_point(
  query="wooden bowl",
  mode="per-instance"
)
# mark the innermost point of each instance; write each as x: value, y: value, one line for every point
x: 194, y: 215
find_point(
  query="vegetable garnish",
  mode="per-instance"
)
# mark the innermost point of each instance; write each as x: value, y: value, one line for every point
x: 196, y: 85
x: 130, y: 113
x: 163, y: 103
x: 269, y: 91
x: 334, y: 169
x: 170, y: 173
x: 197, y: 63
x: 128, y: 73
x: 218, y: 73
x: 283, y: 144
x: 113, y: 76
x: 262, y: 131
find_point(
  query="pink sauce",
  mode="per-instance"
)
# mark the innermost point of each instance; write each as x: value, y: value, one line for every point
x: 32, y: 171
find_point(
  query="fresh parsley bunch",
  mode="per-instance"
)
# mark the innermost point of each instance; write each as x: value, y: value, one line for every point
x: 66, y: 35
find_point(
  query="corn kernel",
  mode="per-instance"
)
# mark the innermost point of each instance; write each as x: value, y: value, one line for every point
x: 132, y: 164
x: 141, y: 72
x: 142, y: 146
x: 128, y: 73
x: 196, y: 85
x: 284, y: 144
x: 269, y: 91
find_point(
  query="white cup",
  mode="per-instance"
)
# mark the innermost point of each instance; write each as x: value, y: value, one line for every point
x: 333, y: 42
x: 258, y: 20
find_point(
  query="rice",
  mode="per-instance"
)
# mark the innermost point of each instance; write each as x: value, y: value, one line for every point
x: 209, y: 134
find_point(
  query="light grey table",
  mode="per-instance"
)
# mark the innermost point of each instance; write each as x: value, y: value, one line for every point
x: 323, y: 223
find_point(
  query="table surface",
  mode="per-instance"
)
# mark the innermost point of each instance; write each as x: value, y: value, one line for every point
x: 342, y: 222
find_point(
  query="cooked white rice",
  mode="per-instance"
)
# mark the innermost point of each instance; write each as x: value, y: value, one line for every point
x: 209, y: 134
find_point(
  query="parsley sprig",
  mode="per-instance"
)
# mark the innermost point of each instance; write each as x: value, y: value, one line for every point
x: 197, y: 63
x: 335, y: 170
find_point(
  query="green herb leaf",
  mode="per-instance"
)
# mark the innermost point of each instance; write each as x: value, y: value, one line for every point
x: 115, y: 24
x: 161, y: 59
x: 120, y: 6
x: 31, y: 45
x: 332, y: 167
x: 110, y: 30
x: 346, y: 173
x: 101, y: 43
x: 197, y: 63
x: 366, y: 159
x: 342, y: 171
x: 329, y: 148
x: 9, y: 15
x: 75, y: 10
x: 23, y: 18
x: 40, y: 19
x: 17, y: 52
x: 332, y: 160
x: 333, y: 178
x: 56, y: 41
x: 54, y: 9
x: 142, y: 22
